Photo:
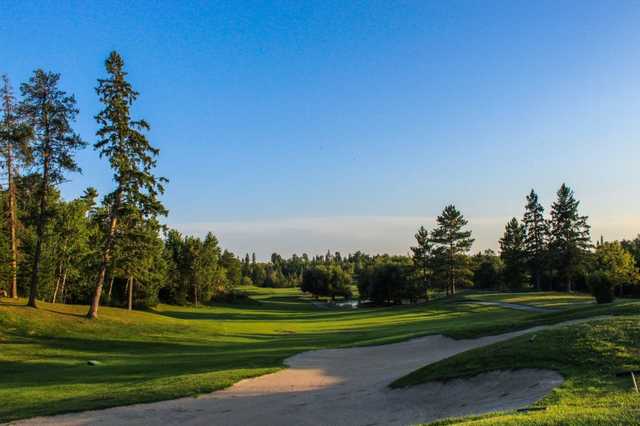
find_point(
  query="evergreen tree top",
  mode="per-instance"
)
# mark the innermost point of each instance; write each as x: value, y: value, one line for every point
x: 14, y: 132
x: 122, y: 140
x: 567, y: 226
x: 450, y: 230
x: 50, y: 112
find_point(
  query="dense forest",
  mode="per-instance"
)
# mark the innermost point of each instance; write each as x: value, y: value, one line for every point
x: 113, y: 249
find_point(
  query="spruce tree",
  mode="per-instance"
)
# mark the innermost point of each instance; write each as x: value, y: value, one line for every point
x: 50, y: 112
x: 15, y: 136
x: 513, y: 253
x: 422, y: 258
x: 451, y: 244
x: 487, y: 270
x: 569, y: 235
x: 536, y: 231
x: 139, y: 249
x: 122, y: 141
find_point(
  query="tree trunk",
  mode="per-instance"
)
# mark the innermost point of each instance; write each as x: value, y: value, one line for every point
x: 58, y: 279
x: 55, y: 290
x: 64, y: 281
x: 130, y: 305
x: 425, y: 282
x: 110, y: 288
x: 13, y: 245
x: 33, y: 294
x: 451, y: 278
x: 106, y: 259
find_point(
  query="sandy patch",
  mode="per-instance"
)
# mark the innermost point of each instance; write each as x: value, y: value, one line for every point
x: 342, y: 387
x: 484, y: 393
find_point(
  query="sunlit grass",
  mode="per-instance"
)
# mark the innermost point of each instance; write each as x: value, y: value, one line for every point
x: 178, y: 351
x: 588, y: 355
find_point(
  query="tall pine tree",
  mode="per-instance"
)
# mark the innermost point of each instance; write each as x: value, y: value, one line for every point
x: 512, y: 252
x: 422, y: 258
x: 50, y: 112
x: 122, y: 141
x: 451, y: 244
x: 569, y: 236
x: 536, y: 232
x: 15, y: 136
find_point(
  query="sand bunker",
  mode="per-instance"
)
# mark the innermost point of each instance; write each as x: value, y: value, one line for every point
x: 343, y: 387
x: 484, y: 393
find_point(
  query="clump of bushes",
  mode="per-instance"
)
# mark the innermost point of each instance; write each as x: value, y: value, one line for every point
x: 390, y: 282
x: 602, y: 287
x: 329, y: 281
x: 233, y: 296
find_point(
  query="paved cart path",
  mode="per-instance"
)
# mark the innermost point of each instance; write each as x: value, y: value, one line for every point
x: 516, y: 306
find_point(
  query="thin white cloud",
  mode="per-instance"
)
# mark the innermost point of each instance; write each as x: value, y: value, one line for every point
x: 316, y: 235
x: 372, y: 234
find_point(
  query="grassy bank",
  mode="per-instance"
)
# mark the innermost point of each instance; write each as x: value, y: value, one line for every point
x: 588, y: 355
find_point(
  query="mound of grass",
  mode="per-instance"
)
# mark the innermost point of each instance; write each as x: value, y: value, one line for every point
x: 588, y: 355
x: 175, y: 351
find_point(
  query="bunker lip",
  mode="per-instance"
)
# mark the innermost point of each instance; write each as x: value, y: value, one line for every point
x: 344, y: 387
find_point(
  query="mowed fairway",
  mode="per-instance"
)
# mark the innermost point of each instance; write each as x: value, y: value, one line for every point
x: 179, y: 351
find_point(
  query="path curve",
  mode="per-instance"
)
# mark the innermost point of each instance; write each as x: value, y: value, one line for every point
x: 516, y: 306
x: 342, y: 387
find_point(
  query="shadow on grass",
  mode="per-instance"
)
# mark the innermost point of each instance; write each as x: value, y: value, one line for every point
x: 279, y: 313
x: 133, y: 364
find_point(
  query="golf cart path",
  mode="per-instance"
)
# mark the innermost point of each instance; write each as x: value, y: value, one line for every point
x: 343, y: 387
x: 516, y: 306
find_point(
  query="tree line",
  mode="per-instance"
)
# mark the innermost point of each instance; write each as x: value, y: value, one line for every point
x: 537, y: 252
x: 112, y: 248
x: 557, y: 253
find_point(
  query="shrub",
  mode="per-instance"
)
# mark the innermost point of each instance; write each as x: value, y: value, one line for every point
x: 601, y: 286
x: 233, y: 296
x: 331, y: 281
x: 388, y: 282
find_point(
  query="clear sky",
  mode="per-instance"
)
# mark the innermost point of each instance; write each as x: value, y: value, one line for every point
x: 306, y: 126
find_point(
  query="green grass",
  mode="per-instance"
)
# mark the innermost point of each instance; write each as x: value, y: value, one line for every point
x: 588, y: 355
x: 178, y: 351
x: 546, y: 299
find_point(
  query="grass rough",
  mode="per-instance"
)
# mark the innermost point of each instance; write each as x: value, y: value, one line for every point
x: 588, y: 355
x: 172, y: 352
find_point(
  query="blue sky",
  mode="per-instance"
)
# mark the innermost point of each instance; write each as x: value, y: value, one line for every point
x: 307, y: 126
